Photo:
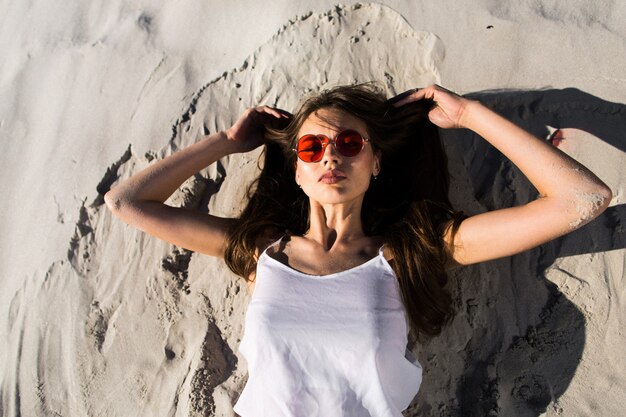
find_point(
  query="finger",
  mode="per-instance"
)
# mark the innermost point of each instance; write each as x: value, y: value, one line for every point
x: 445, y: 90
x: 267, y: 110
x: 276, y: 112
x: 401, y: 96
x: 284, y: 113
x: 415, y: 96
x: 271, y: 117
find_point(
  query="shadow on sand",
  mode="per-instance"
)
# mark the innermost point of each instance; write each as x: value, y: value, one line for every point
x: 517, y: 340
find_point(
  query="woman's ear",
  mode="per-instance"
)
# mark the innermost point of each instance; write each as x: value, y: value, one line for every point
x: 377, y: 158
x: 296, y: 176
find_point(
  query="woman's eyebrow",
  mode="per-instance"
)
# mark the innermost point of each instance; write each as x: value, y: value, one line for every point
x: 337, y: 131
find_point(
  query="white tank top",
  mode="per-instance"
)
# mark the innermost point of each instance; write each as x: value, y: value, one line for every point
x: 327, y: 345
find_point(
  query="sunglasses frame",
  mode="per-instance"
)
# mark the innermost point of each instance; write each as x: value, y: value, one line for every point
x: 327, y: 141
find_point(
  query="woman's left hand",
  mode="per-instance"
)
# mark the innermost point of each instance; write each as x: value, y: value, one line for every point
x: 449, y: 107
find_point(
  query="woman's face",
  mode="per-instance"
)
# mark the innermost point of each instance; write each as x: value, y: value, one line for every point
x: 355, y: 172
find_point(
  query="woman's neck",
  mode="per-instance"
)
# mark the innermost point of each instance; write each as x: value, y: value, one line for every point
x: 334, y: 224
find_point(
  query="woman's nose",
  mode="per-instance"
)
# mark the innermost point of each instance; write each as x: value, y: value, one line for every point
x: 330, y: 153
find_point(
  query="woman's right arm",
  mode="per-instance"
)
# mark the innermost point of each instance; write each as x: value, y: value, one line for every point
x: 139, y: 200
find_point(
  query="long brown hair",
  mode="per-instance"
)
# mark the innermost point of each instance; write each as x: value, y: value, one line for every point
x: 407, y: 204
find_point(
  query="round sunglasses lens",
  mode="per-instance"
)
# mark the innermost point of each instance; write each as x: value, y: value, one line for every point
x: 349, y: 143
x: 310, y: 148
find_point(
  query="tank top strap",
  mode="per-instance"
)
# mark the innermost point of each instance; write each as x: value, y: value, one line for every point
x: 274, y: 243
x: 381, y: 250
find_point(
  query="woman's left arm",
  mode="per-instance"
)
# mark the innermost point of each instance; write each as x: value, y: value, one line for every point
x: 570, y: 194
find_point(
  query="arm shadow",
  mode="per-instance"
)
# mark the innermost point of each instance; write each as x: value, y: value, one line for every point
x: 518, y: 337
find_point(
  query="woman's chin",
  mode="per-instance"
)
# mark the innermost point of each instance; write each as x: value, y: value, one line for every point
x: 335, y: 194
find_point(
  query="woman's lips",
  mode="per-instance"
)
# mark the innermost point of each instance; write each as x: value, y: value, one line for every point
x: 332, y: 177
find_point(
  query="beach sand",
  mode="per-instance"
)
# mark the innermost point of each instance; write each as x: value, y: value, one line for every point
x: 100, y: 319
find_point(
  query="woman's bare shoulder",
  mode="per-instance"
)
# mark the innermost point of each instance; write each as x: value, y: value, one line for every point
x: 263, y: 241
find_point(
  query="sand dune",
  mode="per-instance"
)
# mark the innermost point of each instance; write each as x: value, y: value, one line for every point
x: 112, y: 321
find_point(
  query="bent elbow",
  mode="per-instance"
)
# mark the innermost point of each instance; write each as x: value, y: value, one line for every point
x: 609, y: 195
x: 606, y: 195
x: 591, y: 204
x: 113, y: 202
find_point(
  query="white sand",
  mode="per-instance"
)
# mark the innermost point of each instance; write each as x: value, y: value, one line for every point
x: 97, y: 318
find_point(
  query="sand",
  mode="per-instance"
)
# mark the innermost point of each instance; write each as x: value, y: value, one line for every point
x: 98, y: 318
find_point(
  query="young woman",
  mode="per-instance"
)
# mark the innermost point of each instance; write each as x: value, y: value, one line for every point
x: 348, y: 233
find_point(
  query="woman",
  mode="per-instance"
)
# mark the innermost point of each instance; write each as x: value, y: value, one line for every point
x: 349, y: 233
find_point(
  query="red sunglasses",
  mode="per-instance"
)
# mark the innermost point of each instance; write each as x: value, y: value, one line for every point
x: 310, y: 148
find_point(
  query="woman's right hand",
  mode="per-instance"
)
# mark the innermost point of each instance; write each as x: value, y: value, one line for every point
x: 248, y: 132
